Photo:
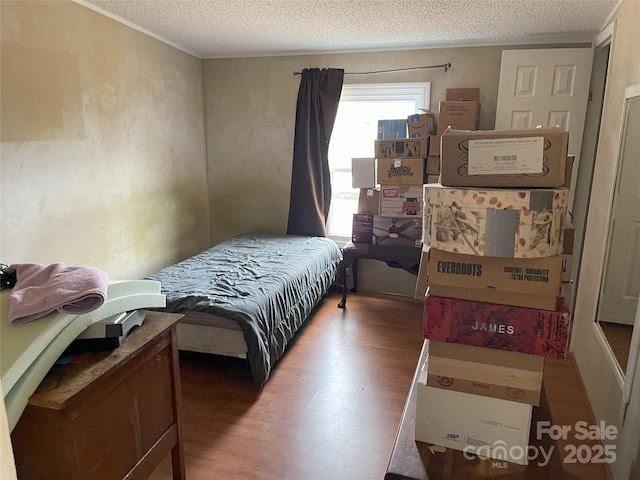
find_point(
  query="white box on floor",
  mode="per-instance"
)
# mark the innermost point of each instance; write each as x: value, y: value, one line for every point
x: 485, y: 426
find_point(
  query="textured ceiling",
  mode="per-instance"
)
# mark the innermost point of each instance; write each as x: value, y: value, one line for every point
x: 243, y: 28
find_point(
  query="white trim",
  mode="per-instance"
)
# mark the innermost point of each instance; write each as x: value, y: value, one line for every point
x: 369, y: 92
x: 630, y: 92
x: 611, y: 358
x: 604, y: 37
x: 135, y: 27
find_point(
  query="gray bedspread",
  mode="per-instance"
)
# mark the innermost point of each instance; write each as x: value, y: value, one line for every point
x: 268, y: 284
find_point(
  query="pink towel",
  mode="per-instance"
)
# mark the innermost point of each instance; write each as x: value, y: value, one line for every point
x: 41, y: 289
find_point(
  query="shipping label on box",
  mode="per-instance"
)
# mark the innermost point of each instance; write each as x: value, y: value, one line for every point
x: 400, y: 171
x: 401, y: 201
x: 388, y: 129
x: 485, y: 371
x: 401, y: 148
x: 458, y: 115
x: 506, y: 155
x: 421, y: 125
x: 404, y: 232
x: 504, y: 327
x: 369, y: 201
x: 363, y: 172
x: 513, y: 163
x: 524, y: 282
x: 495, y: 222
x: 362, y: 228
x: 493, y: 427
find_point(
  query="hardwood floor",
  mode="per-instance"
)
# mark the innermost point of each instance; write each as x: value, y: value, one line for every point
x: 332, y: 405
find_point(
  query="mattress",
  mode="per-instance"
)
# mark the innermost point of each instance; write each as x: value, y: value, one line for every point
x: 268, y: 284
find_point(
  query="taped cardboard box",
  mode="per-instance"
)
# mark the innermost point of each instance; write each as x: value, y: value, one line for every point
x: 401, y: 201
x: 402, y: 148
x: 534, y: 157
x: 458, y: 115
x: 495, y: 222
x: 472, y: 423
x: 504, y: 327
x: 434, y: 145
x: 363, y: 172
x: 369, y: 201
x: 569, y: 236
x: 400, y: 171
x: 488, y: 372
x: 433, y: 178
x: 421, y: 124
x: 523, y: 282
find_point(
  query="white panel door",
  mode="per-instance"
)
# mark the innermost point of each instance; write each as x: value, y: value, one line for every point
x: 547, y: 87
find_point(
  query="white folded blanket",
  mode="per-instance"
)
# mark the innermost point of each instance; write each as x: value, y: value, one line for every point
x: 41, y: 289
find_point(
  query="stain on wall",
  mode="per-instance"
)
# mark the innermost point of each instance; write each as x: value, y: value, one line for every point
x: 103, y: 152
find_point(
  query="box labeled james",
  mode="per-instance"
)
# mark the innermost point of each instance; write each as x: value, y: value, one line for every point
x: 533, y: 157
x: 401, y: 201
x: 491, y: 325
x: 495, y: 222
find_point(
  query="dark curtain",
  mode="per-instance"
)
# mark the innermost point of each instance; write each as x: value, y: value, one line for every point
x: 318, y: 99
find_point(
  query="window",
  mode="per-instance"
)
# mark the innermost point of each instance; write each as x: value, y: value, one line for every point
x: 354, y: 132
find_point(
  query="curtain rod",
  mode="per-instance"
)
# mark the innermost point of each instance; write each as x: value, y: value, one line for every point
x: 446, y: 67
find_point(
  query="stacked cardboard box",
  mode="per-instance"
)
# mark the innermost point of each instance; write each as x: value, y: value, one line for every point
x: 490, y: 278
x: 460, y: 111
x: 391, y: 195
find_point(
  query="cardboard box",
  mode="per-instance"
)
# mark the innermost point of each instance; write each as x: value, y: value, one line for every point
x: 569, y: 236
x: 363, y: 172
x: 386, y: 231
x: 389, y: 129
x: 422, y: 281
x: 433, y: 165
x: 362, y: 228
x: 512, y: 376
x: 433, y: 178
x: 369, y: 201
x: 534, y: 157
x: 567, y: 261
x: 495, y: 222
x: 401, y: 148
x: 421, y: 124
x: 400, y: 171
x: 523, y: 282
x: 434, y: 145
x: 504, y: 327
x: 401, y: 201
x: 462, y: 94
x: 458, y: 115
x: 472, y: 423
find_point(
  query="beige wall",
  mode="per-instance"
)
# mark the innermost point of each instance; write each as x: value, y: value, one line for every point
x: 250, y: 108
x: 603, y: 390
x: 103, y: 149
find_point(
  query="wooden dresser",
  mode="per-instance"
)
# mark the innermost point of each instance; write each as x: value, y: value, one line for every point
x: 115, y: 415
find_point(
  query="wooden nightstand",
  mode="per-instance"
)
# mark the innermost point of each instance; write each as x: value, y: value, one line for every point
x: 115, y: 415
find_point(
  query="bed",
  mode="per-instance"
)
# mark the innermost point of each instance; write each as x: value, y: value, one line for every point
x: 248, y: 295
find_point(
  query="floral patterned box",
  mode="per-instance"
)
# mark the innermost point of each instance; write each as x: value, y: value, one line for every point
x: 496, y: 222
